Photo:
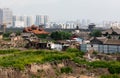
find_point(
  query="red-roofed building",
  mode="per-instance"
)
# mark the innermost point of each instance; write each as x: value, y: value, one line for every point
x: 35, y: 29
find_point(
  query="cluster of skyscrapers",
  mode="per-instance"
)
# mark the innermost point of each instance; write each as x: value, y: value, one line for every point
x: 70, y: 24
x: 7, y: 17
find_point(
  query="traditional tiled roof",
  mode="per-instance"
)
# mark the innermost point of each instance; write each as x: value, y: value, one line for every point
x: 111, y: 30
x: 103, y: 40
x: 99, y: 38
x: 112, y: 42
x: 35, y: 29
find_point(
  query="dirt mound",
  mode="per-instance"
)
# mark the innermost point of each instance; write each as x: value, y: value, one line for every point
x: 59, y: 69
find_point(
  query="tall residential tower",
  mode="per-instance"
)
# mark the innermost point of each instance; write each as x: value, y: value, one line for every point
x: 6, y: 17
x: 22, y: 21
x: 42, y: 20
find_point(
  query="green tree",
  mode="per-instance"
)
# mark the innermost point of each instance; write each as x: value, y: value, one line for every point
x: 114, y: 33
x: 60, y: 35
x: 18, y: 33
x: 109, y: 37
x: 66, y: 70
x: 106, y: 34
x: 114, y: 69
x: 42, y: 36
x: 6, y: 34
x: 119, y: 38
x: 96, y: 33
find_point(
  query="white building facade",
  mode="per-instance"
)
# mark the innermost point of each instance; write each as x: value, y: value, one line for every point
x: 22, y: 21
x: 42, y: 20
x: 6, y: 17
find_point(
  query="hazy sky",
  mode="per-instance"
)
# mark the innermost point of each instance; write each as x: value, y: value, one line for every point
x: 97, y: 10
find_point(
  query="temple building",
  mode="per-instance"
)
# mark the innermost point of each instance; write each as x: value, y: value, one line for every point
x: 35, y: 29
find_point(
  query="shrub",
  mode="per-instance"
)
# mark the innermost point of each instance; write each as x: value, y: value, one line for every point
x: 95, y: 52
x: 6, y: 34
x: 96, y: 64
x: 72, y: 50
x: 114, y: 69
x: 8, y: 51
x: 19, y: 66
x: 55, y: 58
x: 66, y: 70
x: 110, y: 76
x: 109, y: 37
x: 80, y: 61
x: 76, y: 51
x: 42, y: 36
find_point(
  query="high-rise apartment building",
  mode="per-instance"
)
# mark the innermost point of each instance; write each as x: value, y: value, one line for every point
x: 42, y: 19
x: 29, y: 21
x: 46, y: 20
x: 18, y: 21
x: 6, y: 17
x: 39, y: 19
x: 16, y: 18
x: 22, y: 21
